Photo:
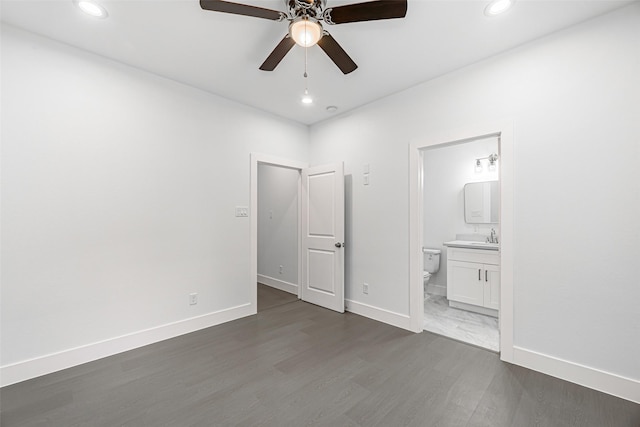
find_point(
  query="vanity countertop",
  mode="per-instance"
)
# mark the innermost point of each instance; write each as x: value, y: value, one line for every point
x: 472, y: 245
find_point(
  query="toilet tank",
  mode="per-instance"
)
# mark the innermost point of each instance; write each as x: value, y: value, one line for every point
x: 431, y: 260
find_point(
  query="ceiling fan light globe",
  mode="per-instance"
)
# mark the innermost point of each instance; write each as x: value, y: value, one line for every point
x: 305, y: 32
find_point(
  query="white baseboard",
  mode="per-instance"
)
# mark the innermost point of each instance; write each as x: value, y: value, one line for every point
x: 278, y: 284
x: 434, y: 289
x: 474, y: 308
x: 381, y: 315
x: 606, y: 382
x: 22, y: 371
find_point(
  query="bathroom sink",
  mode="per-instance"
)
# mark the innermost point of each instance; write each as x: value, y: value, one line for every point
x: 485, y: 244
x: 472, y: 245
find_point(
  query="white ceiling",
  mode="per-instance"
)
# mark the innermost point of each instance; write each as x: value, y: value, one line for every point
x: 221, y: 53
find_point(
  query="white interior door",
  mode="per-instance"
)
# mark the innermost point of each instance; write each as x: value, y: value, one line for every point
x: 323, y: 236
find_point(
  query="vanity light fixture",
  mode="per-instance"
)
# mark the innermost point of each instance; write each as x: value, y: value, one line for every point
x: 497, y: 7
x: 92, y: 8
x: 493, y: 158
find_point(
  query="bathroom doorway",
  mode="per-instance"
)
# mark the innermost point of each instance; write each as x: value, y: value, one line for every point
x: 461, y: 235
x: 472, y: 281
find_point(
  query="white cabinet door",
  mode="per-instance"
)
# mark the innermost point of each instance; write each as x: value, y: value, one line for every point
x: 323, y: 236
x: 466, y: 282
x: 492, y: 286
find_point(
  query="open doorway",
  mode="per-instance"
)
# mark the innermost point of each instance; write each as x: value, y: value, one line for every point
x: 503, y: 131
x: 461, y: 235
x: 320, y: 234
x: 278, y: 240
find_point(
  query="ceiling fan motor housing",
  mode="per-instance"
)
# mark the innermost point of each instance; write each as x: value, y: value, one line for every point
x: 310, y: 8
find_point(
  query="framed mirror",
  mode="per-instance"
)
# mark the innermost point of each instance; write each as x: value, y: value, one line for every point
x: 481, y: 202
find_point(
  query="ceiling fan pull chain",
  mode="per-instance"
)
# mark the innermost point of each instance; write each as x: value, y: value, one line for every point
x: 306, y: 48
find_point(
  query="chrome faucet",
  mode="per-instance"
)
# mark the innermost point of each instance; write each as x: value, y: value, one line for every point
x: 492, y: 238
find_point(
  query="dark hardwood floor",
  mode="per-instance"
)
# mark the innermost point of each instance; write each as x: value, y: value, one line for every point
x: 269, y: 297
x: 296, y: 364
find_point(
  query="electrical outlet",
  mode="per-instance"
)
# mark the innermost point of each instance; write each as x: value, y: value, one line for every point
x: 242, y: 211
x: 365, y: 288
x: 281, y: 269
x: 193, y: 299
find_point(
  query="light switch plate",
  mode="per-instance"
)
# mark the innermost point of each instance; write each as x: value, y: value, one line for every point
x: 242, y: 211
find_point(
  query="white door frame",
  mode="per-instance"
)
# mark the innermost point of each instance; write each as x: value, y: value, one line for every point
x: 258, y: 158
x: 504, y: 131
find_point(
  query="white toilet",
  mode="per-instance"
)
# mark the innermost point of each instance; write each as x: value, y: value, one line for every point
x: 431, y: 264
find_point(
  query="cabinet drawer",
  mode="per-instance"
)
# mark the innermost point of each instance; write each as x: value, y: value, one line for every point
x: 473, y: 255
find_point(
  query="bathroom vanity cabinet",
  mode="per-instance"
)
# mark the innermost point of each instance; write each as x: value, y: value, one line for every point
x: 473, y: 278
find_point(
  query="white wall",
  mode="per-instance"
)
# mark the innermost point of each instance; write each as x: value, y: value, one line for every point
x: 446, y: 171
x: 572, y: 98
x: 118, y: 196
x: 278, y: 226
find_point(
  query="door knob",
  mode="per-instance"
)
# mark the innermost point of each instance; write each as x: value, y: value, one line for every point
x: 338, y: 245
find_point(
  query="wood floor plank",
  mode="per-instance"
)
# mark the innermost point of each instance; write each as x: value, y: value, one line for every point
x: 296, y: 364
x: 501, y: 399
x: 269, y: 297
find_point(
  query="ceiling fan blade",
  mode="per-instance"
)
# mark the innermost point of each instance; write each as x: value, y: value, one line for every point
x: 369, y: 11
x: 278, y: 53
x: 337, y: 53
x: 241, y: 9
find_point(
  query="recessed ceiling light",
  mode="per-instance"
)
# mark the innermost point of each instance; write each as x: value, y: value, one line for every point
x: 497, y: 7
x: 332, y: 109
x: 306, y: 98
x: 91, y: 8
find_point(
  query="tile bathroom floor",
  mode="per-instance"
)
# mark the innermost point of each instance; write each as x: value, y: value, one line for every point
x: 461, y: 325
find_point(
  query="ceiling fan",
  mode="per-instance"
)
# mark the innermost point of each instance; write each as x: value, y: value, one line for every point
x: 305, y: 29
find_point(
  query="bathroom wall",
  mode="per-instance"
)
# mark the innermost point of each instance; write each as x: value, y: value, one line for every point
x: 278, y: 227
x: 571, y: 98
x: 446, y: 171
